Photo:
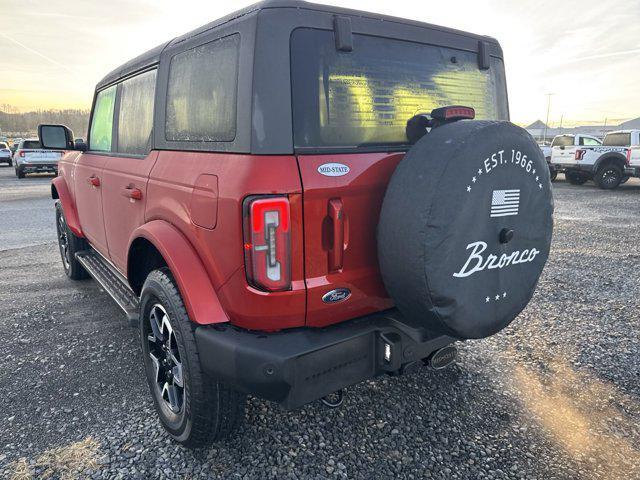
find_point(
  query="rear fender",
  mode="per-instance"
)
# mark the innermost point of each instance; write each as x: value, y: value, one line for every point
x: 616, y: 158
x: 198, y: 294
x: 60, y: 190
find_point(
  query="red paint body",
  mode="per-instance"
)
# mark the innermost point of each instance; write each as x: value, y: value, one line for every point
x: 189, y: 206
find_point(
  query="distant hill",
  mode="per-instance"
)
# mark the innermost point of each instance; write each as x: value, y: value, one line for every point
x: 630, y: 124
x: 26, y: 123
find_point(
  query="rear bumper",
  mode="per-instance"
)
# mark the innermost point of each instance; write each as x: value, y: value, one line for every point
x: 297, y: 366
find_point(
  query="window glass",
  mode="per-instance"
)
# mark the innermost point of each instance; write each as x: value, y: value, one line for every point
x: 102, y: 120
x: 202, y: 91
x: 563, y: 141
x: 617, y: 140
x: 590, y: 141
x: 31, y: 144
x: 365, y: 97
x: 135, y: 118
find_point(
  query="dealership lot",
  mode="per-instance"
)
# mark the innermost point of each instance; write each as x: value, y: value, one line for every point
x: 555, y: 395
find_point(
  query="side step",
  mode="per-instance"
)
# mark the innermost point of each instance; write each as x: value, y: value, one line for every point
x: 112, y: 282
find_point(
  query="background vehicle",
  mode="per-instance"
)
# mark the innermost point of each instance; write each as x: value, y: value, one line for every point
x: 259, y: 207
x: 14, y: 145
x: 30, y: 157
x: 608, y: 165
x: 546, y: 151
x: 5, y: 153
x: 563, y: 150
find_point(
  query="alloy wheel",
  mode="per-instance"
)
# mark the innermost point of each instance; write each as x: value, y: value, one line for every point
x: 165, y: 360
x: 63, y: 241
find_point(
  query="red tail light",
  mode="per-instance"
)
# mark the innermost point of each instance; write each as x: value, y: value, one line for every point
x: 628, y: 156
x: 580, y: 154
x: 267, y: 242
x: 21, y: 153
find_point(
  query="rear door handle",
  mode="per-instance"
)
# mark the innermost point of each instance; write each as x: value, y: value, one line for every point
x: 336, y: 215
x: 94, y: 181
x: 132, y: 192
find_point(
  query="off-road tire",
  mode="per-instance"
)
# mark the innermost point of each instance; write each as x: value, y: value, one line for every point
x: 553, y: 174
x: 608, y: 177
x: 72, y: 267
x: 575, y: 178
x: 210, y: 410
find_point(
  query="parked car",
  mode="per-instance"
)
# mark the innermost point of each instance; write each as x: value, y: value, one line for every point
x: 5, y: 153
x: 563, y: 150
x: 30, y: 157
x: 608, y: 164
x: 546, y: 151
x: 278, y: 204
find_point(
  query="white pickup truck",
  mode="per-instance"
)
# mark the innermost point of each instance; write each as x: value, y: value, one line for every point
x: 31, y: 158
x: 608, y: 165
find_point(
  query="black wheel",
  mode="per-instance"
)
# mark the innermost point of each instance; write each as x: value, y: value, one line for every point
x: 19, y: 173
x: 575, y: 178
x: 69, y: 245
x: 195, y: 409
x: 609, y: 176
x: 553, y: 174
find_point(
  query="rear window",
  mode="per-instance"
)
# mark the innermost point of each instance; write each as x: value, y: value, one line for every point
x: 563, y: 141
x: 3, y: 145
x: 365, y: 97
x: 617, y: 140
x: 31, y: 144
x: 201, y: 98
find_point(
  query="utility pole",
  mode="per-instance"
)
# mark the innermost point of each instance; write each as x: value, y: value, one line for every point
x: 547, y: 122
x: 561, y: 118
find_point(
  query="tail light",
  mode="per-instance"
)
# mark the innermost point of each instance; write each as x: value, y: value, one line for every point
x: 628, y: 156
x: 580, y: 154
x: 267, y: 242
x: 21, y: 153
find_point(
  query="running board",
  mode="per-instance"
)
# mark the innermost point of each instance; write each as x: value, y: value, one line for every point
x: 112, y: 282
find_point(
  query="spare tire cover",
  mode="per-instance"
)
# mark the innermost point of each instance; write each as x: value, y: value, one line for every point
x: 465, y: 227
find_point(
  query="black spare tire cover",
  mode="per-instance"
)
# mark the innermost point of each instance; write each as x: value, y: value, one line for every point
x: 465, y: 227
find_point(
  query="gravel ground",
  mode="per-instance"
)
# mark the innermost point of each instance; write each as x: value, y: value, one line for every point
x: 554, y: 396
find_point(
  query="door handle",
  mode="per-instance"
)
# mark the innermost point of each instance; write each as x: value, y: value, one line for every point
x: 94, y: 181
x: 336, y: 215
x: 132, y: 193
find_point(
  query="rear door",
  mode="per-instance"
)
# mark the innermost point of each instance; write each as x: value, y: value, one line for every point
x: 126, y: 171
x: 563, y: 150
x: 350, y: 110
x: 87, y: 172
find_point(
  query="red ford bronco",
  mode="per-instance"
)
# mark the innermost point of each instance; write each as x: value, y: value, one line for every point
x: 296, y: 198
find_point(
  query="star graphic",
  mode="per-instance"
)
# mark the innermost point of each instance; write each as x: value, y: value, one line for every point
x: 504, y: 294
x: 487, y: 299
x: 468, y: 188
x: 540, y: 185
x: 479, y: 171
x: 474, y: 179
x: 537, y: 178
x: 534, y: 171
x: 497, y: 297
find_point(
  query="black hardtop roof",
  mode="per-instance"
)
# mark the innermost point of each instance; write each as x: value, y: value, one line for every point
x: 152, y: 56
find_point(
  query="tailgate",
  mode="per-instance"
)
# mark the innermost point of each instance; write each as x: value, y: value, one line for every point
x: 342, y: 197
x: 41, y: 156
x: 564, y: 155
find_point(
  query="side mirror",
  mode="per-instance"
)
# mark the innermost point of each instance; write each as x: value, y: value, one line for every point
x: 55, y: 137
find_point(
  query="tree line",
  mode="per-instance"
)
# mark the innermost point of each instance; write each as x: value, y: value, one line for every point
x: 21, y: 124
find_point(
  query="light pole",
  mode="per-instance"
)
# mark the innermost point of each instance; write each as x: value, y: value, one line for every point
x: 547, y: 122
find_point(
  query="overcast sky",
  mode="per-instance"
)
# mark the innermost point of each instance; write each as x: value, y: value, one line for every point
x: 585, y: 52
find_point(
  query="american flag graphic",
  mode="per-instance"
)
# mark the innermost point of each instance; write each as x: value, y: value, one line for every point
x: 505, y: 203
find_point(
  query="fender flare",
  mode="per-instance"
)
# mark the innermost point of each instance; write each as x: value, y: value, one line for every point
x: 60, y: 191
x: 200, y: 298
x: 618, y: 157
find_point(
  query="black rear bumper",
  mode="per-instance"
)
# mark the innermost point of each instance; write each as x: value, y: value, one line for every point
x: 294, y: 367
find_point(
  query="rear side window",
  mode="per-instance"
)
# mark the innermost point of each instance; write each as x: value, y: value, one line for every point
x: 135, y: 118
x: 100, y: 134
x: 563, y: 141
x: 365, y: 97
x: 31, y: 144
x: 617, y: 140
x: 202, y: 93
x: 589, y: 141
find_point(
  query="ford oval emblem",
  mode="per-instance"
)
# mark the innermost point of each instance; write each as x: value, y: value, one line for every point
x: 333, y: 169
x: 337, y: 295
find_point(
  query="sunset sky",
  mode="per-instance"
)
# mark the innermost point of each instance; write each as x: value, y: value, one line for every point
x: 585, y: 52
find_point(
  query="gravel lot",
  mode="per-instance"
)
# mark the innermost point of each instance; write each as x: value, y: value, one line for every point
x: 554, y: 396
